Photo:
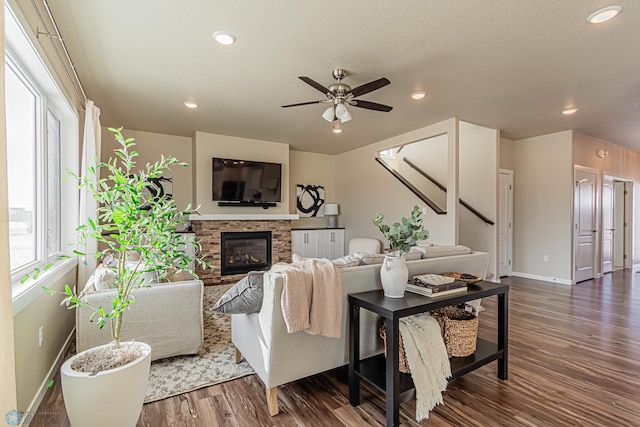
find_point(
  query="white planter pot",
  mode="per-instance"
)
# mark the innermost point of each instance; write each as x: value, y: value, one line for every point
x: 394, y: 275
x: 109, y: 398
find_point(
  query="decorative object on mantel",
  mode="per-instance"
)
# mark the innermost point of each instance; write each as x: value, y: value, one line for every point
x: 402, y: 236
x: 310, y: 200
x: 331, y: 212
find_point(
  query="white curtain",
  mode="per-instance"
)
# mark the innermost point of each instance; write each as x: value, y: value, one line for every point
x: 88, y: 206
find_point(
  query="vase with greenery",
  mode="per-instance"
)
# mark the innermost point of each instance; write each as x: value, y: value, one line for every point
x: 137, y: 229
x: 402, y: 236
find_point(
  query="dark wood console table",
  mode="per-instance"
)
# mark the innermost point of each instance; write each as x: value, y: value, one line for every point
x: 385, y: 375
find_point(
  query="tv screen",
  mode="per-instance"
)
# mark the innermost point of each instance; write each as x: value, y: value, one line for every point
x: 246, y: 181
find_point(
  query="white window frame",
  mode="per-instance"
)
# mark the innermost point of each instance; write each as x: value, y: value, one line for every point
x: 24, y: 55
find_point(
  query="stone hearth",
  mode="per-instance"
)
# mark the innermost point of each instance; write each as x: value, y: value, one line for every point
x: 208, y: 234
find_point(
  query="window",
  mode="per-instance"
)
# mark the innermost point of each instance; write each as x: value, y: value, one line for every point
x: 21, y: 124
x: 42, y: 143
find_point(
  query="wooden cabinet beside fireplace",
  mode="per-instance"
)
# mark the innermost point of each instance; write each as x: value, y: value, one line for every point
x: 318, y: 242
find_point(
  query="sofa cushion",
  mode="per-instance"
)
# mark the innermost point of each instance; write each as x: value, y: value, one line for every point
x: 243, y: 297
x: 412, y: 256
x: 436, y: 251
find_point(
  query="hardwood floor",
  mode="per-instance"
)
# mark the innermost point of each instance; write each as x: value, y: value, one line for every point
x: 574, y: 359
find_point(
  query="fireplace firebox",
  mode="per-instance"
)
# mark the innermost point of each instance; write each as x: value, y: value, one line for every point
x: 245, y: 251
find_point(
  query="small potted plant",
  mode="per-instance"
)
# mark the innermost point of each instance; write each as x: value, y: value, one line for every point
x: 106, y: 385
x: 402, y: 236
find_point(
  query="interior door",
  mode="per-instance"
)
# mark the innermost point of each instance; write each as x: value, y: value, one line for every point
x: 585, y: 224
x: 505, y: 221
x: 608, y: 226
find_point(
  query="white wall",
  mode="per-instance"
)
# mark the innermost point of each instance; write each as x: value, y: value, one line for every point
x: 506, y: 153
x: 317, y: 169
x: 150, y: 146
x: 205, y: 146
x: 366, y: 188
x: 543, y: 207
x: 8, y: 393
x: 478, y: 176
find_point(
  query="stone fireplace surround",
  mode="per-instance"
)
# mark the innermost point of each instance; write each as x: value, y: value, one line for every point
x: 207, y: 231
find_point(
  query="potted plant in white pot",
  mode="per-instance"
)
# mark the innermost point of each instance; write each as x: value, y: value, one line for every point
x: 402, y: 236
x: 106, y: 385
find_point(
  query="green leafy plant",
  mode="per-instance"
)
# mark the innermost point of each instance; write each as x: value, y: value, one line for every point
x: 405, y: 234
x: 136, y: 228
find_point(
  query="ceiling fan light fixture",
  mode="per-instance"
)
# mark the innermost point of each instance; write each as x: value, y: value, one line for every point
x: 342, y: 113
x: 604, y: 14
x: 418, y: 95
x: 336, y: 128
x: 224, y: 37
x: 328, y: 114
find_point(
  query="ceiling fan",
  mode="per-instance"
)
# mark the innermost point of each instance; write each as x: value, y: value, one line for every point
x: 340, y: 94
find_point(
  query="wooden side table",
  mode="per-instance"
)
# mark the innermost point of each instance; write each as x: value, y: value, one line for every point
x: 384, y: 375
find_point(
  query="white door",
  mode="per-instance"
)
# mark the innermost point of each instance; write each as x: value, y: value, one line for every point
x: 620, y: 225
x: 608, y: 227
x: 505, y: 223
x: 585, y: 224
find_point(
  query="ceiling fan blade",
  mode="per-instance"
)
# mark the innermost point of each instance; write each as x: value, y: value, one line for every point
x: 315, y: 84
x: 303, y: 103
x: 370, y: 105
x: 369, y: 87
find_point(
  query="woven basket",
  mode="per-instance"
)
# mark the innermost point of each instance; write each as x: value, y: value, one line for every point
x: 459, y: 330
x: 404, y: 365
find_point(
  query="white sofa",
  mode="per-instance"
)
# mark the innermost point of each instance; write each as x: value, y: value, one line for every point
x: 167, y: 316
x: 279, y: 357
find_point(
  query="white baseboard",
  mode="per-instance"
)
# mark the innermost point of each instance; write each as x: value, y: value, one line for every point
x: 543, y: 278
x: 35, y: 403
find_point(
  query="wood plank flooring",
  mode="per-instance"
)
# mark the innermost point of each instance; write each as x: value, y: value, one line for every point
x: 574, y: 360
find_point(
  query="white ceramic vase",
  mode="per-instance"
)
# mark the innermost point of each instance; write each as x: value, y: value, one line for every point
x: 394, y: 275
x: 109, y: 398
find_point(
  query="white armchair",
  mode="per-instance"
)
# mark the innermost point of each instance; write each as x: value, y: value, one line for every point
x: 364, y: 244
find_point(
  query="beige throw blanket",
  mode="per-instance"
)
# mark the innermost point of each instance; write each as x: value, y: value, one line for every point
x: 311, y: 297
x: 428, y: 361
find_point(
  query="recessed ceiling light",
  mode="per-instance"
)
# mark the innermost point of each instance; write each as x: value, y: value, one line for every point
x: 569, y: 111
x: 418, y: 95
x: 191, y: 104
x: 224, y: 37
x: 604, y: 14
x: 336, y: 129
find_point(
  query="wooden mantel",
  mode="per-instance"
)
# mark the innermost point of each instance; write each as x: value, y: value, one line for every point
x: 243, y: 217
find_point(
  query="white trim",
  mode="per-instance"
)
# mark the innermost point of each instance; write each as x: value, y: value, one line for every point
x: 25, y: 294
x: 245, y: 217
x: 35, y: 403
x: 543, y: 278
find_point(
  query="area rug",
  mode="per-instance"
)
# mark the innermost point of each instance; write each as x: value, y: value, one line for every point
x: 214, y: 364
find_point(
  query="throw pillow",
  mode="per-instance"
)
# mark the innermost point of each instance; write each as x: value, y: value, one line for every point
x: 369, y: 258
x: 346, y: 261
x: 102, y: 278
x: 243, y: 297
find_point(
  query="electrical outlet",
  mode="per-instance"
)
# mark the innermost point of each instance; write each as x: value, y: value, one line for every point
x: 40, y: 336
x: 424, y: 210
x: 545, y: 258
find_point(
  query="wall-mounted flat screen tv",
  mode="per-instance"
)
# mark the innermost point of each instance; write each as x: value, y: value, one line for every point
x: 246, y: 181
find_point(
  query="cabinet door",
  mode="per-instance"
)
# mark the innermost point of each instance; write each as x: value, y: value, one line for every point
x: 332, y: 243
x: 305, y: 243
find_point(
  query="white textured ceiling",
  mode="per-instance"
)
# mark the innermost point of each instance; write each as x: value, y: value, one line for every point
x: 506, y: 64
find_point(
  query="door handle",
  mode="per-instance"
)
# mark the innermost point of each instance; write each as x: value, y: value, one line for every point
x: 593, y: 231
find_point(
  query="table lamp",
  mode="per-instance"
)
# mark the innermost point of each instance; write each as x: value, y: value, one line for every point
x: 331, y: 212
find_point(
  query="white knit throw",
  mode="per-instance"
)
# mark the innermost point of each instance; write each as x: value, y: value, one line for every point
x: 427, y: 359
